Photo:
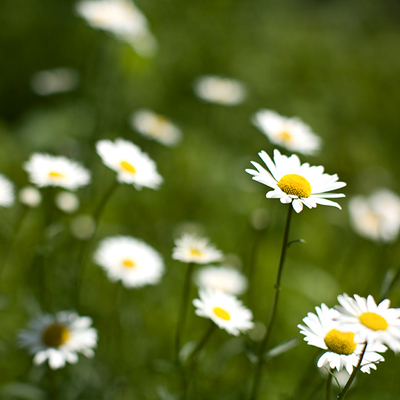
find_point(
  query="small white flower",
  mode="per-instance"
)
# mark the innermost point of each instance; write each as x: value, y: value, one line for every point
x: 132, y: 261
x: 121, y: 18
x: 225, y: 279
x: 83, y: 226
x: 370, y: 322
x: 296, y: 183
x: 376, y: 217
x: 223, y: 91
x: 156, y: 126
x: 190, y: 248
x: 290, y: 133
x: 67, y: 202
x: 48, y: 170
x: 343, y: 350
x: 53, y: 81
x: 7, y: 196
x: 225, y: 310
x: 59, y: 338
x: 30, y: 196
x: 132, y: 165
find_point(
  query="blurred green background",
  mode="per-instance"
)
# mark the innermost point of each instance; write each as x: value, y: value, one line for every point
x: 335, y: 64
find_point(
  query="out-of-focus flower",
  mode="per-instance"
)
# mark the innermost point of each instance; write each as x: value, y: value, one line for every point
x: 83, y: 226
x: 48, y: 170
x: 132, y: 261
x: 67, y: 202
x: 132, y: 165
x: 225, y: 279
x: 219, y: 90
x: 376, y: 217
x: 53, y: 81
x: 30, y: 196
x: 290, y: 133
x: 370, y: 322
x: 225, y: 310
x: 192, y: 249
x: 7, y: 196
x: 121, y: 18
x: 59, y: 338
x: 156, y: 126
x: 343, y: 350
x: 296, y: 183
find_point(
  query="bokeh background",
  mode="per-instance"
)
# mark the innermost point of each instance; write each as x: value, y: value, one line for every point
x: 335, y: 64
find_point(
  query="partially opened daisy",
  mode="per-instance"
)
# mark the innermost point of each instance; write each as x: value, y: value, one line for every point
x: 193, y: 249
x: 131, y: 164
x: 156, y: 126
x: 59, y: 338
x: 7, y: 196
x: 48, y: 170
x: 343, y: 350
x: 130, y: 260
x: 371, y: 323
x: 290, y: 133
x: 296, y: 183
x: 225, y: 310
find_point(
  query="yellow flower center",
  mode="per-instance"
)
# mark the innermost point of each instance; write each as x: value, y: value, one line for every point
x: 128, y: 167
x: 55, y: 174
x: 128, y: 263
x: 295, y: 185
x: 56, y: 335
x: 340, y: 342
x: 285, y: 136
x: 195, y: 252
x: 221, y: 313
x: 373, y: 321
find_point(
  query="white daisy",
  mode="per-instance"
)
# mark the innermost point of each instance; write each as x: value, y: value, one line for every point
x: 67, y: 202
x: 191, y: 248
x: 48, y: 170
x: 290, y: 133
x: 225, y: 279
x: 376, y: 217
x: 323, y: 331
x: 223, y: 91
x: 296, y: 183
x: 30, y: 196
x: 7, y: 196
x: 121, y: 18
x: 58, y: 80
x: 225, y: 310
x: 156, y: 126
x: 132, y: 165
x: 370, y: 322
x: 59, y: 338
x: 130, y: 260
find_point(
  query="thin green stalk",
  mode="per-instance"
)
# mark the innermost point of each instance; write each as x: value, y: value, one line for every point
x: 389, y: 288
x: 329, y: 386
x: 277, y: 286
x: 353, y: 375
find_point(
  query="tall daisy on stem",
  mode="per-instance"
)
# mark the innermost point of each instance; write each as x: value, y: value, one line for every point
x: 295, y: 184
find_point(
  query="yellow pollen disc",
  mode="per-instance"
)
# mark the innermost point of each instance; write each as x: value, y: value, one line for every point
x: 56, y: 335
x: 340, y: 342
x: 219, y: 312
x: 128, y: 263
x: 195, y: 252
x: 373, y: 321
x: 295, y: 185
x: 128, y: 167
x: 54, y: 174
x: 285, y: 136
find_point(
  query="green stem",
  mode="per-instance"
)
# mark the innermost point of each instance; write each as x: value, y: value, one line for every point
x: 329, y: 385
x: 277, y: 286
x: 353, y: 375
x: 389, y: 288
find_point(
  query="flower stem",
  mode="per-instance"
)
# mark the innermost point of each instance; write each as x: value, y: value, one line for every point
x: 264, y: 343
x: 329, y: 385
x: 353, y: 375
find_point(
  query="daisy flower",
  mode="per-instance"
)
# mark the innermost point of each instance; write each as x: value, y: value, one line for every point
x: 193, y: 249
x: 132, y: 165
x: 130, y: 260
x: 290, y: 133
x: 296, y: 183
x: 156, y: 126
x: 225, y: 279
x: 219, y: 90
x: 30, y: 196
x: 376, y: 217
x: 67, y: 202
x: 343, y: 350
x: 371, y: 323
x: 7, y: 196
x: 48, y: 170
x: 225, y: 310
x: 59, y: 338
